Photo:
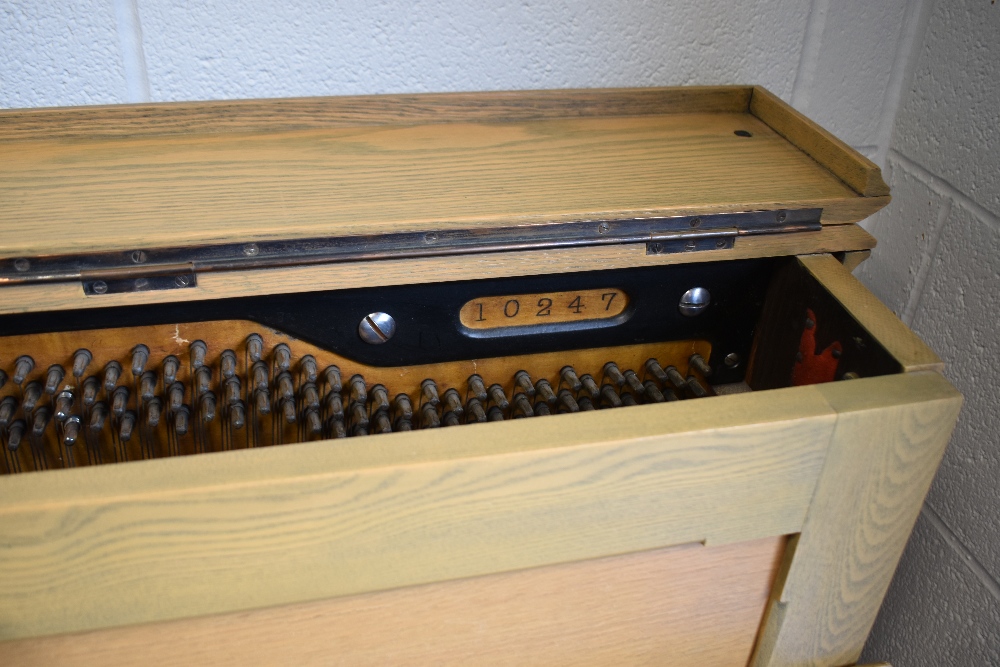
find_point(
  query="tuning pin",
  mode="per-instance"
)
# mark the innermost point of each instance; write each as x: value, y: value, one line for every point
x: 332, y: 377
x: 477, y: 388
x: 154, y: 410
x: 112, y: 372
x: 203, y: 380
x: 262, y: 402
x: 147, y: 386
x: 175, y: 396
x: 451, y: 419
x: 429, y: 391
x: 474, y: 409
x: 8, y: 406
x: 522, y: 381
x: 544, y: 390
x: 568, y: 375
x: 334, y: 405
x: 237, y: 416
x: 16, y: 434
x: 310, y: 396
x: 495, y: 414
x: 91, y: 386
x: 126, y: 424
x: 700, y: 365
x: 522, y: 406
x: 381, y: 423
x: 634, y: 383
x: 98, y: 416
x: 610, y: 396
x: 654, y: 369
x: 71, y: 430
x: 53, y: 378
x: 403, y: 425
x: 140, y: 356
x: 40, y: 422
x: 653, y: 393
x: 612, y: 373
x: 198, y: 351
x: 255, y: 348
x: 258, y: 373
x: 64, y: 405
x: 119, y: 401
x: 498, y: 397
x: 314, y: 426
x: 379, y: 399
x: 453, y: 402
x: 207, y: 405
x: 282, y: 357
x: 286, y: 388
x: 542, y: 409
x: 337, y: 429
x: 288, y: 410
x: 696, y: 388
x: 586, y: 405
x: 227, y: 364
x: 403, y: 406
x: 307, y: 365
x: 32, y: 392
x: 231, y: 391
x: 171, y: 366
x: 81, y: 359
x: 359, y: 416
x: 429, y: 416
x: 590, y: 386
x: 359, y: 392
x: 675, y: 377
x: 567, y: 402
x: 182, y: 420
x: 22, y: 366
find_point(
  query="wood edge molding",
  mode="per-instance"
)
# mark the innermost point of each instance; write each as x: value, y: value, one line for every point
x: 850, y: 166
x: 290, y: 114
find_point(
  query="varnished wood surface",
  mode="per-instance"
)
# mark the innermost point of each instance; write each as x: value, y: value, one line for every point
x: 170, y: 538
x: 887, y: 444
x: 90, y: 192
x: 904, y: 345
x: 70, y: 296
x: 687, y: 605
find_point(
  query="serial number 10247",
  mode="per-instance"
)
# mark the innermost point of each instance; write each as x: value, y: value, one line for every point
x: 520, y: 310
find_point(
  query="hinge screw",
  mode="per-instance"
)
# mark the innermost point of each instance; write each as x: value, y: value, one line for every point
x: 138, y: 256
x: 696, y: 222
x: 782, y: 216
x: 250, y: 249
x: 430, y: 237
x: 182, y: 281
x: 99, y: 287
x: 603, y: 228
x: 21, y: 265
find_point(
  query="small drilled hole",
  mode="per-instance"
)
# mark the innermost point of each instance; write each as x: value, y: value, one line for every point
x: 742, y: 133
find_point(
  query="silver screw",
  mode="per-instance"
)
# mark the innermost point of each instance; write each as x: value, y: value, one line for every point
x: 720, y: 243
x: 377, y: 328
x: 603, y: 228
x: 99, y: 287
x: 430, y: 237
x: 21, y: 265
x: 656, y: 248
x: 696, y: 222
x: 141, y: 283
x: 138, y: 256
x: 250, y: 249
x: 694, y: 301
x: 732, y: 360
x: 691, y: 245
x: 782, y: 216
x: 182, y: 281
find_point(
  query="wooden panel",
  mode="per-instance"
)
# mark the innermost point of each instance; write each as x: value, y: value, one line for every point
x: 856, y: 170
x: 155, y: 540
x: 890, y: 435
x: 872, y: 314
x: 70, y: 296
x: 83, y: 194
x: 311, y: 113
x: 854, y: 258
x: 681, y: 606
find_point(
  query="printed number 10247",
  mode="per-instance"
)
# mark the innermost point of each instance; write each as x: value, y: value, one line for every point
x: 520, y: 310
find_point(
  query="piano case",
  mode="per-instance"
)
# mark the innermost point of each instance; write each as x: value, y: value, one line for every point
x: 558, y: 377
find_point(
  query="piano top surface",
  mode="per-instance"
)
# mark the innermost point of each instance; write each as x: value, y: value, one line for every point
x: 91, y: 188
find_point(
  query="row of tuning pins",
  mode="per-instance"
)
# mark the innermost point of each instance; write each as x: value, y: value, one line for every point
x: 484, y: 403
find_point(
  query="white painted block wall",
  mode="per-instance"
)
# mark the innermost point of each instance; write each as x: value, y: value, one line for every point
x: 911, y: 83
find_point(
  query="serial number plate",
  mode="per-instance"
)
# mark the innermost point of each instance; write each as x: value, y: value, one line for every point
x: 520, y: 310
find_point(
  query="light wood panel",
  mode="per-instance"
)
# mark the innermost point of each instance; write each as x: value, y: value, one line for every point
x: 888, y: 441
x: 70, y: 296
x: 904, y: 345
x: 681, y: 606
x: 854, y: 258
x: 91, y: 193
x: 170, y: 538
x: 856, y: 170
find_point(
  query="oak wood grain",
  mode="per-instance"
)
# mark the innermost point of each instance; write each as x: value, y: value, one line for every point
x: 171, y: 538
x: 687, y: 605
x: 890, y: 435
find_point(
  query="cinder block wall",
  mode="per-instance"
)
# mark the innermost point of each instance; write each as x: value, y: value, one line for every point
x: 912, y: 84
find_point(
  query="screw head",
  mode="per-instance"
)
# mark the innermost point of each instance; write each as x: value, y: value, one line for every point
x: 138, y: 256
x: 694, y: 301
x: 732, y: 360
x: 377, y: 328
x: 656, y: 248
x: 603, y: 228
x: 691, y: 245
x: 182, y: 281
x: 695, y: 222
x: 782, y: 216
x: 99, y: 287
x: 430, y: 237
x: 21, y: 265
x: 720, y: 243
x: 141, y: 283
x: 251, y: 249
